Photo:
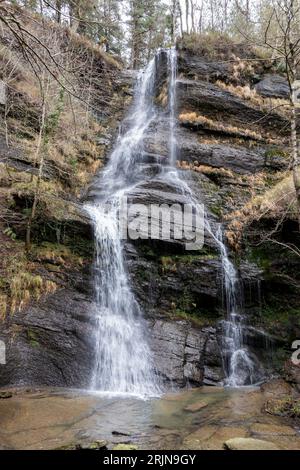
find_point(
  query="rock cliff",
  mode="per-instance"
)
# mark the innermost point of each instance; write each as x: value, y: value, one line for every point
x: 231, y: 148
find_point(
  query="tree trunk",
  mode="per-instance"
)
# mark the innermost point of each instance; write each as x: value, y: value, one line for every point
x: 200, y: 26
x: 39, y: 177
x: 212, y: 15
x: 180, y: 17
x: 173, y: 23
x: 193, y: 16
x: 295, y: 149
x: 225, y: 20
x: 295, y: 160
x: 58, y: 5
x: 187, y: 15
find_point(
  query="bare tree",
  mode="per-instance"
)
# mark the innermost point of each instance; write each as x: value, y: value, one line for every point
x: 212, y: 14
x: 58, y: 8
x: 193, y: 29
x: 287, y: 47
x: 39, y: 157
x: 187, y: 15
x: 180, y: 17
x: 173, y: 12
x: 200, y: 20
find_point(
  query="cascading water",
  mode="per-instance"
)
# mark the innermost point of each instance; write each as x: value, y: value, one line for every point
x: 172, y: 65
x: 123, y: 361
x: 241, y: 367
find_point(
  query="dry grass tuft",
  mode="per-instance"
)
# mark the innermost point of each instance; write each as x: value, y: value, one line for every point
x: 3, y: 306
x: 280, y: 106
x: 21, y: 283
x: 216, y: 126
x: 277, y: 202
x: 205, y: 169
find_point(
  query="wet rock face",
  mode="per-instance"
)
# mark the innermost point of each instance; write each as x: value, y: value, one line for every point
x: 198, y: 66
x: 186, y: 355
x: 191, y: 148
x: 211, y: 100
x: 50, y: 343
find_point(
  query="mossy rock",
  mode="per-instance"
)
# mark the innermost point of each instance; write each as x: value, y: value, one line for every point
x: 95, y: 445
x: 125, y: 447
x: 32, y: 338
x: 5, y: 394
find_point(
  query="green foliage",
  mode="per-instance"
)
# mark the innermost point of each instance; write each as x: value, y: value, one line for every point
x: 171, y: 262
x: 286, y: 406
x: 10, y: 233
x: 195, y: 318
x: 32, y: 338
x: 57, y: 254
x: 148, y: 27
x: 216, y: 209
x: 275, y: 152
x: 73, y: 162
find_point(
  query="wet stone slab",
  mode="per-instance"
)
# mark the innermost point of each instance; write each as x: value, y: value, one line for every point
x: 203, y: 418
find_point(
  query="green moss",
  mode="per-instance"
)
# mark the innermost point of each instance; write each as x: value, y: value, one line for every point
x: 148, y: 252
x: 216, y: 209
x: 286, y: 406
x: 279, y: 356
x: 32, y: 338
x: 275, y: 152
x: 80, y: 246
x: 260, y: 256
x: 73, y: 162
x: 192, y: 317
x: 173, y: 260
x: 168, y: 264
x: 142, y: 274
x: 56, y: 253
x: 125, y: 447
x: 277, y: 312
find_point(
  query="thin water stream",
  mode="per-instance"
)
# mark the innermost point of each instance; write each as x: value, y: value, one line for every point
x: 123, y: 361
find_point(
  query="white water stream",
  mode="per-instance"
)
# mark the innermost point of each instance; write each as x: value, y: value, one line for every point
x: 123, y: 360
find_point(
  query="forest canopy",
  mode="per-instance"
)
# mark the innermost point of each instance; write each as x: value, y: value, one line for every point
x: 134, y: 29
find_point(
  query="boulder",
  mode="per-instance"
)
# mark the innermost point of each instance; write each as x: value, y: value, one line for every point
x: 248, y: 443
x: 292, y: 374
x: 95, y: 445
x: 212, y: 437
x: 273, y: 86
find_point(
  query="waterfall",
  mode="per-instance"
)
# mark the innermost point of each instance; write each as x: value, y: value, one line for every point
x: 172, y: 66
x: 123, y: 361
x: 240, y: 366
